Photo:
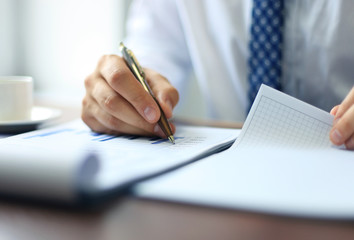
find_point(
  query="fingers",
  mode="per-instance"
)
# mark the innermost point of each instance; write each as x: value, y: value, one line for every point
x: 345, y: 105
x: 121, y: 79
x: 116, y: 102
x: 100, y: 121
x: 342, y: 131
x: 88, y: 117
x: 165, y: 93
x: 349, y: 144
x: 334, y: 110
x: 115, y: 105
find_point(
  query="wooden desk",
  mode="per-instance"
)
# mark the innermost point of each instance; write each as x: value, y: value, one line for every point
x: 131, y: 218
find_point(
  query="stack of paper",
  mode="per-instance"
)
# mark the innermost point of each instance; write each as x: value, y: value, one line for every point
x: 283, y: 162
x: 69, y: 161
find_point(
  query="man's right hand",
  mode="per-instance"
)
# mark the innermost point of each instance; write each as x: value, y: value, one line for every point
x: 116, y: 103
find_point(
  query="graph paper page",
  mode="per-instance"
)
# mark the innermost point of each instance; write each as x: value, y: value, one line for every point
x: 277, y: 120
x: 282, y: 163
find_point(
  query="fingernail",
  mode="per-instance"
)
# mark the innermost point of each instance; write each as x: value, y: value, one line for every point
x: 336, y: 137
x: 158, y: 131
x: 150, y: 114
x: 170, y: 105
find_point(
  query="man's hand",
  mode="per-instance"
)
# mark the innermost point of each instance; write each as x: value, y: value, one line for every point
x: 343, y: 126
x: 116, y: 103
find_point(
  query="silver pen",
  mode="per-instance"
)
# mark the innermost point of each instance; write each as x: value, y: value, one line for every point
x: 138, y: 72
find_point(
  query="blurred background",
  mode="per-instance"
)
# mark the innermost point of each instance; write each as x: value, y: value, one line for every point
x: 58, y: 43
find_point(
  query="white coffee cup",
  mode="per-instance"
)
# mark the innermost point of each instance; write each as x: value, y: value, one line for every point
x: 16, y: 98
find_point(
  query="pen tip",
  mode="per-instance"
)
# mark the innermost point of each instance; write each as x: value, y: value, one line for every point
x: 172, y: 139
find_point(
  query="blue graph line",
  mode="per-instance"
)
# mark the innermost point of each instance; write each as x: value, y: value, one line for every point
x: 105, y: 138
x: 99, y: 136
x: 46, y: 134
x: 165, y: 140
x: 95, y: 134
x: 152, y: 139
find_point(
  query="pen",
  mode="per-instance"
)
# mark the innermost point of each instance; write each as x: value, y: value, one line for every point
x: 138, y: 72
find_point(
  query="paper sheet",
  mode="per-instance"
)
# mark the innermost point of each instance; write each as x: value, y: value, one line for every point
x: 277, y: 120
x: 282, y: 163
x: 73, y: 158
x: 128, y: 158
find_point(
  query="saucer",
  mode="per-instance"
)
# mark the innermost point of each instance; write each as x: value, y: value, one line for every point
x: 39, y: 116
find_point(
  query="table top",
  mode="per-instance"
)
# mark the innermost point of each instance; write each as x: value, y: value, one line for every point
x: 131, y: 218
x: 128, y: 217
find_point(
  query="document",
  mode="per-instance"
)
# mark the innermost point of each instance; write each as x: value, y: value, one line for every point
x: 70, y: 161
x: 282, y: 163
x: 277, y: 120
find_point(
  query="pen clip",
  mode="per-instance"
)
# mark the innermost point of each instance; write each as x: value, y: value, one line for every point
x: 131, y: 60
x: 135, y: 67
x: 135, y: 61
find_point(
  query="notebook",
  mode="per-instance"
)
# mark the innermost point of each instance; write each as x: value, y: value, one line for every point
x: 282, y: 163
x: 69, y: 162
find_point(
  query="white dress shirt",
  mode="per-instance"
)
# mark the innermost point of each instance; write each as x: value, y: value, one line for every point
x: 211, y: 37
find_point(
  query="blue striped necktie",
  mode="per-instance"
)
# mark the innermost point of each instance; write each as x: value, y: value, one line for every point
x: 265, y: 45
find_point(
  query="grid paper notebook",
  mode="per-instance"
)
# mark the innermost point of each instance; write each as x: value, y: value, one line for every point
x: 278, y: 120
x: 281, y: 163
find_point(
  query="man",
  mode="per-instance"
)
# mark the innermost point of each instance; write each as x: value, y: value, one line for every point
x: 213, y: 37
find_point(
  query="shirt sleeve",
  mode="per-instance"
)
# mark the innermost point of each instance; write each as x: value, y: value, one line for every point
x: 155, y: 34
